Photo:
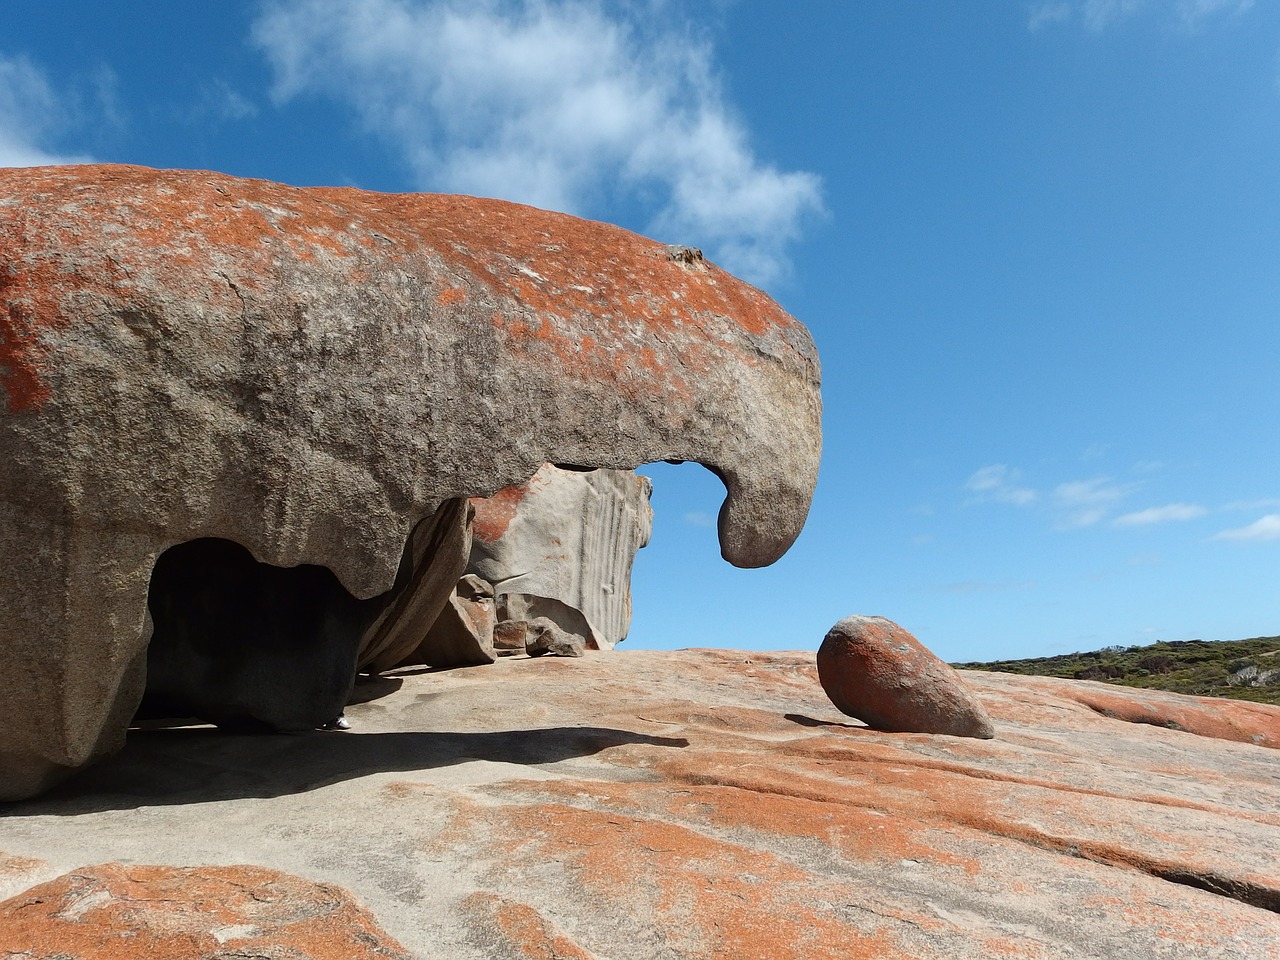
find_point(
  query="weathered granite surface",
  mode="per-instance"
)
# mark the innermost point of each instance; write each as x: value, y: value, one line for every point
x: 569, y: 537
x: 309, y: 373
x: 644, y: 805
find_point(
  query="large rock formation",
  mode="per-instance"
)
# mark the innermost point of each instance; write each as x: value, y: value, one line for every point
x: 561, y: 546
x: 647, y: 805
x: 309, y: 373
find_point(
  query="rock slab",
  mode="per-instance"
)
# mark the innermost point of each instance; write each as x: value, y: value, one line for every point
x: 713, y: 804
x: 122, y: 912
x: 876, y: 671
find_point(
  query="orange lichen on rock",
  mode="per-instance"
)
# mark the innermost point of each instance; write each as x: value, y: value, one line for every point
x: 521, y: 928
x: 119, y: 912
x: 715, y: 899
x: 493, y: 515
x: 1206, y: 717
x: 588, y: 292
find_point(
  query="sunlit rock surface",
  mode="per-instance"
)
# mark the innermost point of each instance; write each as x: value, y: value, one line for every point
x: 714, y: 804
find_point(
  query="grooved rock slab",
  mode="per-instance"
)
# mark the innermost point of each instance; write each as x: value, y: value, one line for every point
x: 309, y: 373
x: 119, y: 912
x: 874, y: 670
x: 569, y: 536
x: 462, y: 635
x: 644, y: 805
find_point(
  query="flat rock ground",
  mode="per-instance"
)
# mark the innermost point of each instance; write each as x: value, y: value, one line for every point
x: 712, y: 803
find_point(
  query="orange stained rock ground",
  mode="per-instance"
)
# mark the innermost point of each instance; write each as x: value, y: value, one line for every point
x: 590, y: 292
x: 698, y: 804
x: 119, y: 912
x: 714, y: 899
x: 523, y: 928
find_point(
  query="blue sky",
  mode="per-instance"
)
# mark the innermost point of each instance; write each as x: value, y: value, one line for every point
x: 1037, y: 243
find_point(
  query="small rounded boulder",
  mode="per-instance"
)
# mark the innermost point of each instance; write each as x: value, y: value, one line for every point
x: 875, y: 671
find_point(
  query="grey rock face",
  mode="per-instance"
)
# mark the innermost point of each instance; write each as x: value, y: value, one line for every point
x: 434, y: 558
x: 309, y: 373
x: 462, y: 635
x: 562, y: 545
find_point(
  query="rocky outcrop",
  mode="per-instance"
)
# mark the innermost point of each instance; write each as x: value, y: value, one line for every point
x: 309, y: 373
x: 714, y: 804
x: 170, y: 913
x: 561, y: 546
x: 874, y: 670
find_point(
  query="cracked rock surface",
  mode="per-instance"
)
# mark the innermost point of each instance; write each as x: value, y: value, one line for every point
x: 639, y: 805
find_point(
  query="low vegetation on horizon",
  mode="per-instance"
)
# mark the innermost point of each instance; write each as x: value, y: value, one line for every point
x: 1238, y: 669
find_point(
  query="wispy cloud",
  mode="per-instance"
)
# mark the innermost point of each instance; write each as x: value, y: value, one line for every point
x: 29, y: 110
x: 1000, y: 483
x: 1264, y: 528
x: 1169, y: 513
x: 1085, y: 502
x: 1265, y: 503
x: 566, y: 104
x: 1099, y: 14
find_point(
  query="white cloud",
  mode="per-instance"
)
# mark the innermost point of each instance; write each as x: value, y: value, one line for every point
x: 1085, y: 502
x: 1265, y: 503
x: 28, y: 110
x: 1169, y: 513
x: 1000, y: 483
x: 565, y: 104
x: 1099, y: 14
x: 1264, y: 528
x: 697, y: 518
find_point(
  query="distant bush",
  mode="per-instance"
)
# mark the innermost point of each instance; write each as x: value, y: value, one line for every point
x: 1240, y: 669
x: 1102, y: 671
x: 1157, y: 663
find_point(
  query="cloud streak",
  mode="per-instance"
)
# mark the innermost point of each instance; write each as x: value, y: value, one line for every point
x: 1262, y: 529
x: 1170, y: 513
x: 1000, y: 483
x: 1097, y: 15
x: 1085, y: 502
x: 567, y: 104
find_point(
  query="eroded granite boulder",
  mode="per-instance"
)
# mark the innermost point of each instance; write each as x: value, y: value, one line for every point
x: 309, y: 373
x: 876, y: 671
x: 569, y: 537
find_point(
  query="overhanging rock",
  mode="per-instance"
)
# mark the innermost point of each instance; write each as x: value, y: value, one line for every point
x: 308, y: 373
